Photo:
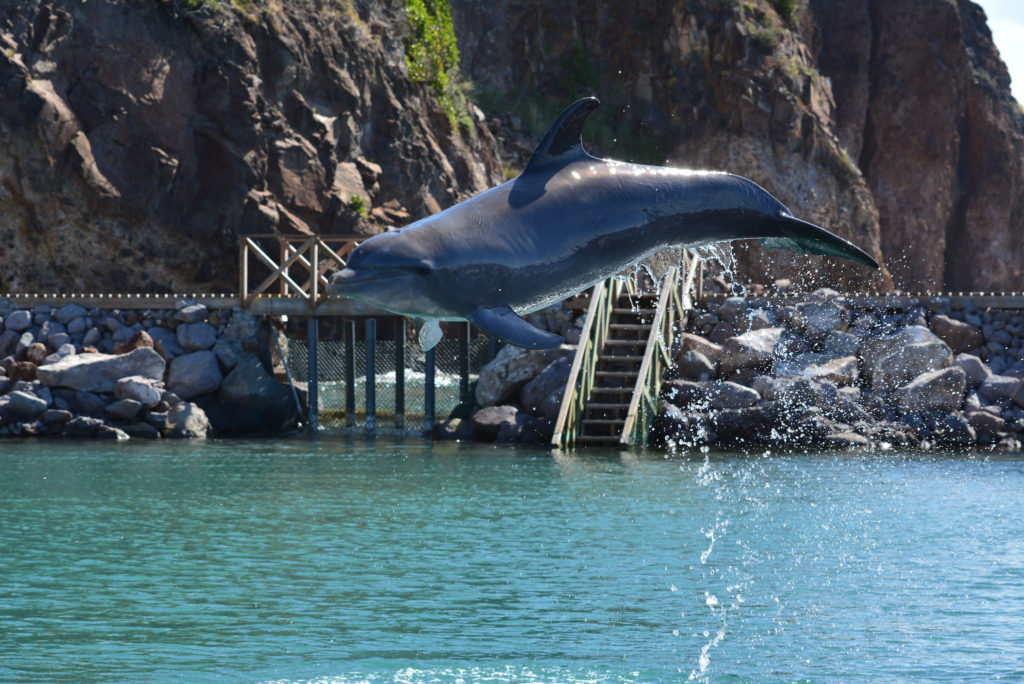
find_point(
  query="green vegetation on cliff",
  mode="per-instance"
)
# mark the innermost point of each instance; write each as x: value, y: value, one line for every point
x: 432, y: 55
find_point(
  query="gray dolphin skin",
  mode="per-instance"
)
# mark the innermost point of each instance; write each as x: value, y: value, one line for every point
x: 567, y: 222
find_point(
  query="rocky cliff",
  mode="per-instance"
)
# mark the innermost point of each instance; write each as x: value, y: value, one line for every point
x: 889, y: 123
x: 138, y: 139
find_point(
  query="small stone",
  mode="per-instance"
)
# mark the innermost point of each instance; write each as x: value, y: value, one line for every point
x: 191, y: 314
x: 26, y: 406
x: 845, y: 440
x: 104, y: 431
x: 196, y: 336
x: 56, y: 417
x: 188, y: 421
x: 139, y: 388
x: 18, y: 321
x: 69, y: 312
x: 82, y: 427
x: 141, y: 431
x: 487, y: 422
x: 36, y: 353
x: 140, y: 338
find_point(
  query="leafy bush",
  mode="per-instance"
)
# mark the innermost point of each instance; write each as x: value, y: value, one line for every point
x: 432, y: 55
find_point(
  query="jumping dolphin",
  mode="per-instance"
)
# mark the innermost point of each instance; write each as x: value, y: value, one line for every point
x: 567, y: 222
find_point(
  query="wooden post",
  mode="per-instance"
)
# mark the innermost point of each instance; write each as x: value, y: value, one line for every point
x: 428, y: 393
x: 399, y: 372
x: 371, y: 376
x: 350, y: 373
x: 312, y: 333
x: 243, y: 272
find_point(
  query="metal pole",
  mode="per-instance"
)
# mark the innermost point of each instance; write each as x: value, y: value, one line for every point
x: 350, y: 373
x: 428, y: 393
x: 371, y: 371
x: 312, y: 333
x: 492, y: 348
x: 464, y: 363
x: 400, y: 372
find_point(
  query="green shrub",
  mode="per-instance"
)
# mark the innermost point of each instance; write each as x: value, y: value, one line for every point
x: 357, y: 204
x: 432, y: 55
x: 786, y: 8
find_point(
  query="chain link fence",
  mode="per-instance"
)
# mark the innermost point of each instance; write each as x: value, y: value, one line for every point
x: 449, y: 384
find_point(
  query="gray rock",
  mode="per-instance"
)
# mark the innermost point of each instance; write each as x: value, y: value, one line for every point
x: 82, y: 427
x: 713, y: 395
x: 91, y: 337
x: 18, y: 321
x: 974, y: 367
x: 511, y: 368
x: 839, y: 344
x: 817, y: 319
x: 488, y: 421
x: 186, y: 420
x: 69, y: 312
x: 987, y: 426
x: 124, y: 410
x: 191, y: 375
x: 695, y: 366
x: 158, y: 419
x: 457, y: 429
x: 104, y: 431
x: 770, y: 389
x: 250, y: 400
x: 845, y: 440
x: 191, y: 314
x: 141, y: 431
x: 997, y: 388
x: 229, y: 352
x: 553, y: 378
x: 56, y: 417
x: 26, y: 340
x: 26, y: 406
x: 139, y: 388
x: 937, y: 390
x: 78, y: 326
x: 8, y: 342
x: 88, y: 404
x: 58, y: 340
x: 960, y: 336
x: 689, y: 342
x: 94, y: 372
x: 750, y: 350
x: 902, y: 365
x: 196, y: 336
x: 243, y: 326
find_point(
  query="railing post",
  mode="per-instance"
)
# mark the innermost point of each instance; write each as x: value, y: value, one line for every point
x: 464, y: 363
x: 243, y: 271
x: 314, y: 268
x: 313, y: 335
x: 428, y: 392
x: 400, y: 372
x: 350, y: 373
x: 371, y: 376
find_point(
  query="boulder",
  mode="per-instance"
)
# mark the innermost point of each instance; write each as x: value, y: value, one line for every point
x: 191, y: 375
x: 196, y: 336
x: 18, y: 321
x: 141, y: 431
x: 26, y: 406
x: 55, y: 418
x: 165, y: 341
x: 69, y: 312
x: 104, y: 431
x: 138, y: 388
x: 815, y: 366
x: 690, y: 342
x: 839, y: 344
x: 750, y: 350
x: 8, y: 342
x: 95, y: 372
x: 987, y: 426
x: 82, y: 427
x: 974, y: 367
x: 712, y: 395
x: 488, y: 421
x: 124, y: 410
x: 695, y: 366
x: 901, y: 365
x: 511, y: 368
x: 937, y: 390
x: 997, y: 388
x: 140, y: 338
x: 960, y: 336
x: 186, y: 420
x: 456, y: 428
x: 37, y: 353
x: 250, y: 400
x: 845, y: 440
x: 535, y: 393
x: 88, y: 404
x: 23, y: 370
x: 191, y: 314
x: 817, y: 319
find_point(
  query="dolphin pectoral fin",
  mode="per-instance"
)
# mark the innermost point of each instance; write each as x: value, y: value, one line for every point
x: 428, y: 333
x: 506, y: 324
x: 807, y: 238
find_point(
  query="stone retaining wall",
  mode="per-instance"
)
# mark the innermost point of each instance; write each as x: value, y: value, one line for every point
x: 188, y: 372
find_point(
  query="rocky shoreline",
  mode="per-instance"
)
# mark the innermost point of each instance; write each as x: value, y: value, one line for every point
x: 109, y: 374
x: 819, y: 371
x: 829, y: 372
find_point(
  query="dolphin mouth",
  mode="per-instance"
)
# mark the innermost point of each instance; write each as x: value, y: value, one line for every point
x: 347, y: 276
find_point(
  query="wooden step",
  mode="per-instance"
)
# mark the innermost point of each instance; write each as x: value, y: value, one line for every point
x: 598, y: 439
x: 608, y: 407
x: 625, y: 343
x: 602, y: 421
x: 633, y: 312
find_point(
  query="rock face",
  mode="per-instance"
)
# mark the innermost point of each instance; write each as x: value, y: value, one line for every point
x: 834, y: 110
x: 191, y: 126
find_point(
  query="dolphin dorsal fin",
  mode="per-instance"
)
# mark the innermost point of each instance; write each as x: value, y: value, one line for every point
x: 564, y: 139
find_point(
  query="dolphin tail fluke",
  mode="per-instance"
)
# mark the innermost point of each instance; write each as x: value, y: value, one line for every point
x: 506, y: 324
x: 807, y: 238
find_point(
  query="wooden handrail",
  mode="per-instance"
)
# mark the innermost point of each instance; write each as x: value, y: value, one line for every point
x: 305, y: 251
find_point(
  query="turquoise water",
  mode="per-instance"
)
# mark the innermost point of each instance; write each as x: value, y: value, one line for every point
x: 333, y: 561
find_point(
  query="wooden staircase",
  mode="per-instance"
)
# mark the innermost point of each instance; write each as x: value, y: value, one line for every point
x: 618, y: 368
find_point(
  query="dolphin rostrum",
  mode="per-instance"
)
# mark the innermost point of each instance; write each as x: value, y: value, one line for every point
x: 567, y: 222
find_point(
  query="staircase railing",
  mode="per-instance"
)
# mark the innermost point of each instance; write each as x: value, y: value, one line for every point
x: 669, y: 319
x: 583, y: 372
